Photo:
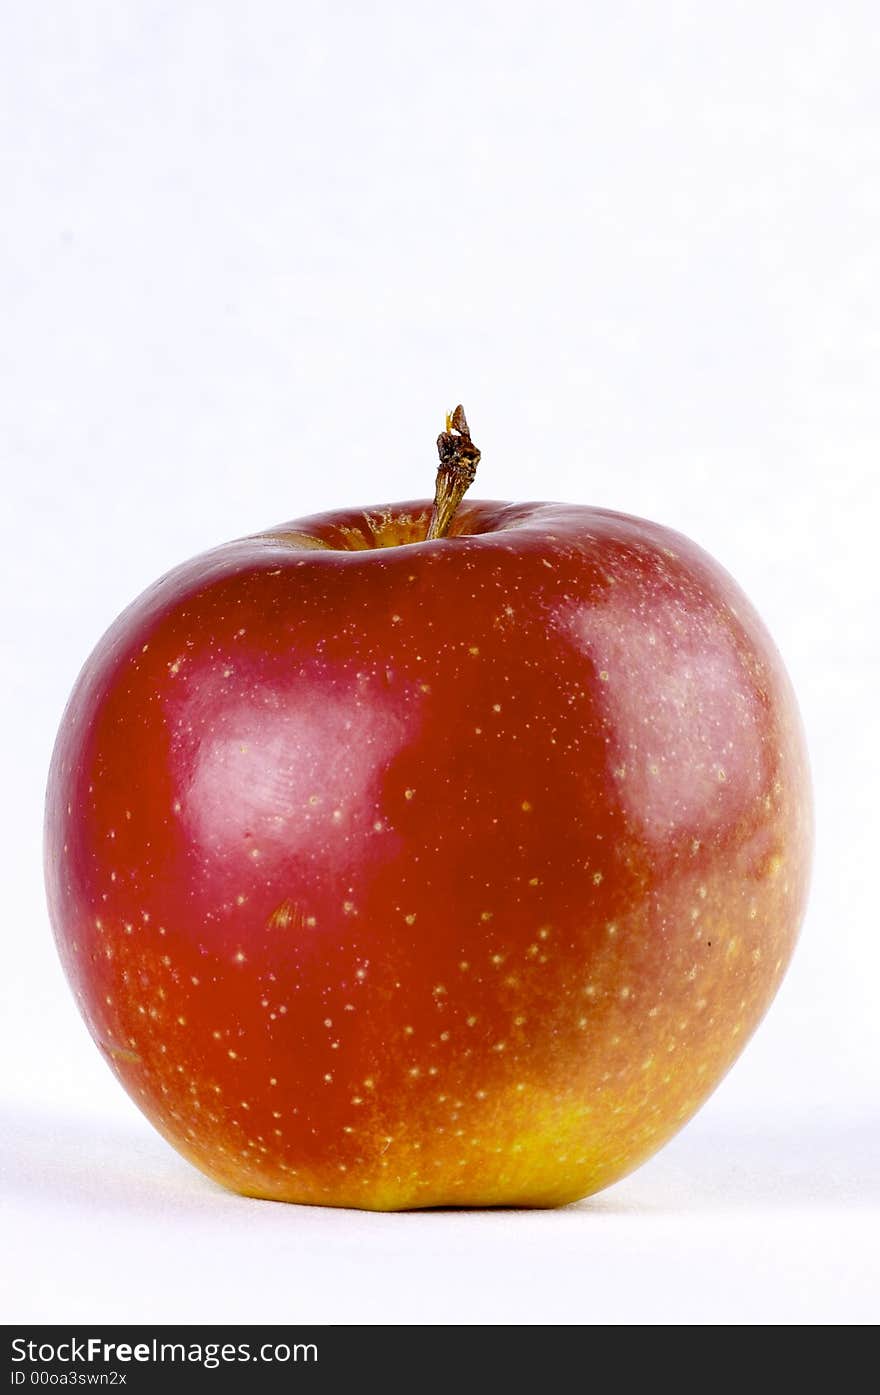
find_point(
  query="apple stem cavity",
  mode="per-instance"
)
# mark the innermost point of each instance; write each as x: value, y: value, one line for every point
x: 456, y: 472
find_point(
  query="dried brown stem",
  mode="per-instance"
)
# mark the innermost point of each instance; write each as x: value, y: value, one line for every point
x: 459, y: 459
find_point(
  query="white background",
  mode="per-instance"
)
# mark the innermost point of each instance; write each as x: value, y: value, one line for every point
x: 250, y: 254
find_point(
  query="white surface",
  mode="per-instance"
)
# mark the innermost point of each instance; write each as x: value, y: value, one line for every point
x: 251, y: 254
x: 757, y: 1229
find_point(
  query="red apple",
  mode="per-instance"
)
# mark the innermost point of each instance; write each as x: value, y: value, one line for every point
x: 393, y: 872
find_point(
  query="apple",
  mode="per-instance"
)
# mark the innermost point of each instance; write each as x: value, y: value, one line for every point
x: 423, y: 855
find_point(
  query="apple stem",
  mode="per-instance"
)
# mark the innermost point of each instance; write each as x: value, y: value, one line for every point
x: 459, y: 459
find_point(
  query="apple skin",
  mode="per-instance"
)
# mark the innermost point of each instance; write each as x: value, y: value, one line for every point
x: 392, y: 873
